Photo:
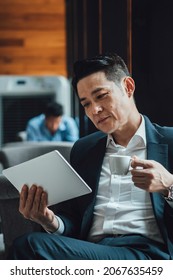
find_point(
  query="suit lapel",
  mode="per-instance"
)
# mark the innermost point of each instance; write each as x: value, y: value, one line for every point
x: 92, y: 163
x: 157, y: 150
x: 94, y: 168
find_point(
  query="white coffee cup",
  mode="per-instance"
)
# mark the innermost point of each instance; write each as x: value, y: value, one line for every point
x: 119, y: 164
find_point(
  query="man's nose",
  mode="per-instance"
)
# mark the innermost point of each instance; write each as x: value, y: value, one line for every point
x: 96, y: 108
x: 55, y: 126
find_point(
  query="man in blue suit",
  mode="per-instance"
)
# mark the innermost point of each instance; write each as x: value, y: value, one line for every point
x: 127, y: 217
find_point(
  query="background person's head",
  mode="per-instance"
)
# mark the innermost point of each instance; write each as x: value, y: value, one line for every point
x: 53, y: 114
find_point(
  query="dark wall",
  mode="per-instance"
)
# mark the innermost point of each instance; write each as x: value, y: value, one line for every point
x: 152, y: 46
x: 93, y: 27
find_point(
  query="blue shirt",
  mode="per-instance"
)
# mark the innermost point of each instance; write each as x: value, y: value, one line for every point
x: 37, y: 131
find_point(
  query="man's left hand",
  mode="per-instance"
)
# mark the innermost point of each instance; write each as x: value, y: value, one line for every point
x: 151, y: 176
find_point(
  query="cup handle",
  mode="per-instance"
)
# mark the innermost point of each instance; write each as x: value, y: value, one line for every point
x: 130, y: 161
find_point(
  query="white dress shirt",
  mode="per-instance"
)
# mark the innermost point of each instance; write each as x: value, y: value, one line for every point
x: 121, y: 207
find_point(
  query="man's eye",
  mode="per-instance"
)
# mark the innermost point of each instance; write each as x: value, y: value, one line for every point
x: 102, y: 95
x: 85, y: 105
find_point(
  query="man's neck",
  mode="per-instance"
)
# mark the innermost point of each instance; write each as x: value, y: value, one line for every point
x: 122, y: 137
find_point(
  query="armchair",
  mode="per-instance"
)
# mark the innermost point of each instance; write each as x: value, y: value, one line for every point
x: 12, y: 222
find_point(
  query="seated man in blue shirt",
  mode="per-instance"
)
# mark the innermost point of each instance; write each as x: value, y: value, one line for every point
x: 52, y: 125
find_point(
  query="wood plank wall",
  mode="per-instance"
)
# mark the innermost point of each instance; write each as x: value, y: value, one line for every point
x: 32, y: 37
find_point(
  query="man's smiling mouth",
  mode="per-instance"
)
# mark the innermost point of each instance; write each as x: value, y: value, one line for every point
x: 103, y: 119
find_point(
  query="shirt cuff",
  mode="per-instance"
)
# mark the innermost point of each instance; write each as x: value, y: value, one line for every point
x: 60, y: 230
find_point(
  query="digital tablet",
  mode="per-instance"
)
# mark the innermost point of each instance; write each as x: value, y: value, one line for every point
x: 53, y: 173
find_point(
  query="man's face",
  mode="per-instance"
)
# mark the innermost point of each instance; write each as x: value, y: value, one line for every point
x: 107, y: 105
x: 52, y: 123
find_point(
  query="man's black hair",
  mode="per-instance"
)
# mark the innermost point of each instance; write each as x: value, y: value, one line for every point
x: 111, y: 64
x: 53, y: 109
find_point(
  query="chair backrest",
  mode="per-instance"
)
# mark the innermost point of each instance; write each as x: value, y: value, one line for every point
x: 11, y: 155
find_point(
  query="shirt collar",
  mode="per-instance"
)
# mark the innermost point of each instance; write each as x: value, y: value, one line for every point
x: 140, y: 135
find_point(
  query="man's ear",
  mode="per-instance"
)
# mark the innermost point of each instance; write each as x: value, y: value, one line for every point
x: 129, y: 85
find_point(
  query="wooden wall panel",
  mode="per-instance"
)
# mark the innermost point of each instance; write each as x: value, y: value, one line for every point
x: 32, y: 37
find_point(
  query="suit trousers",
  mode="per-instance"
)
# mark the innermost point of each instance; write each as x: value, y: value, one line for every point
x: 45, y: 246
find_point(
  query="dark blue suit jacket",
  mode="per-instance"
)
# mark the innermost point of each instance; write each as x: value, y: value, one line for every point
x: 87, y: 156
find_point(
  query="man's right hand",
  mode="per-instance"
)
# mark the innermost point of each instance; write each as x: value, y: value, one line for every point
x: 33, y: 206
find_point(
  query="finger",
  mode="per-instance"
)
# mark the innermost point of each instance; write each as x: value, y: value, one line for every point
x: 37, y: 200
x: 30, y: 198
x: 43, y: 202
x: 138, y: 172
x: 136, y: 162
x: 23, y: 197
x: 139, y: 179
x: 141, y: 185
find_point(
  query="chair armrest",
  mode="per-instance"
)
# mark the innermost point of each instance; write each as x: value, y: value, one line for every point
x: 7, y: 190
x: 12, y: 222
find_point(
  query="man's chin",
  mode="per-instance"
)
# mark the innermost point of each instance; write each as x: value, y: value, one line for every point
x: 106, y: 131
x: 52, y: 132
